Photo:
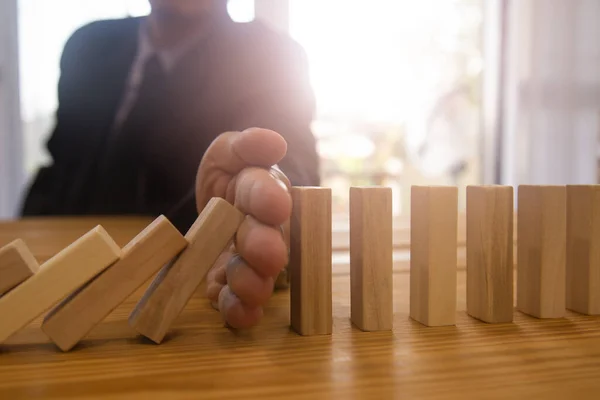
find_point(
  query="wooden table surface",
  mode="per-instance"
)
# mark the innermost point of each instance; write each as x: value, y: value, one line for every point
x: 529, y: 358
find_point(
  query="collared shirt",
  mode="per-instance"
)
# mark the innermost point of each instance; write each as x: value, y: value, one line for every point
x: 168, y: 59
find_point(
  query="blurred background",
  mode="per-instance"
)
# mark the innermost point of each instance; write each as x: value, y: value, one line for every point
x: 445, y: 92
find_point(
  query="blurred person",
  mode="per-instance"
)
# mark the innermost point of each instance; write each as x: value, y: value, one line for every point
x: 158, y: 114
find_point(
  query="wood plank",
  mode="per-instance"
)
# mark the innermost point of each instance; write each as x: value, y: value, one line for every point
x: 433, y: 261
x: 490, y: 253
x: 76, y: 316
x: 310, y: 261
x: 371, y: 258
x: 17, y: 264
x: 56, y: 279
x: 175, y: 284
x: 541, y: 250
x: 583, y: 249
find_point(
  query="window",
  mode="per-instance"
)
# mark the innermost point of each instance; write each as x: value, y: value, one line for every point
x: 397, y: 86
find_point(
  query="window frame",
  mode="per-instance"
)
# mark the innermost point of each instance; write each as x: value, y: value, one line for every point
x: 12, y: 174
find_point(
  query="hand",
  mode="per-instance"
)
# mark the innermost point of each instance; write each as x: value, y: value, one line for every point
x: 238, y: 166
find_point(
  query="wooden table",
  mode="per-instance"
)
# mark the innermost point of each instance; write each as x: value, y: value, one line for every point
x: 555, y: 359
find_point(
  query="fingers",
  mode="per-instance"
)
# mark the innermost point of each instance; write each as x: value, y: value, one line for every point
x: 239, y: 167
x: 236, y: 314
x: 234, y: 151
x: 252, y: 289
x: 229, y: 154
x: 250, y: 275
x: 262, y: 247
x: 261, y: 195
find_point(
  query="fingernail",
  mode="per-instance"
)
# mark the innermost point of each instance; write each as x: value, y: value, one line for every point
x: 226, y: 298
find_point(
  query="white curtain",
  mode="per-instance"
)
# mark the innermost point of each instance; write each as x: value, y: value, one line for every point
x: 551, y: 92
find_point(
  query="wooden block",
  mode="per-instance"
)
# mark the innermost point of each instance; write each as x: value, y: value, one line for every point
x: 433, y: 255
x: 490, y: 253
x: 175, y: 284
x: 583, y: 249
x: 541, y: 250
x: 311, y: 261
x: 371, y: 279
x: 150, y: 250
x: 58, y: 277
x: 17, y: 264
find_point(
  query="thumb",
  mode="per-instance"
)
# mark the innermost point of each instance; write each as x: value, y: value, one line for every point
x: 233, y: 151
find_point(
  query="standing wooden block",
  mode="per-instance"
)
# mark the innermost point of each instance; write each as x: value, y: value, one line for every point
x: 75, y: 317
x: 433, y: 255
x: 175, y: 284
x: 58, y: 277
x: 490, y: 253
x: 310, y: 261
x: 17, y: 264
x: 541, y: 250
x: 583, y: 249
x: 371, y: 279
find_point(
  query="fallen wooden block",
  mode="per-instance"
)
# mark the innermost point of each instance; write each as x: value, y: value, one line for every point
x: 490, y: 253
x: 583, y: 249
x: 175, y: 284
x: 64, y: 273
x: 17, y: 264
x: 433, y: 255
x: 371, y: 258
x: 541, y: 250
x: 311, y: 261
x: 143, y: 256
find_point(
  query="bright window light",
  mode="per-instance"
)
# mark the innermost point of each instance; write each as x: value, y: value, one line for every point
x: 378, y: 61
x: 241, y: 10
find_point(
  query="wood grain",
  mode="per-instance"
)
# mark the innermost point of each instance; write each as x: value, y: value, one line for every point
x: 17, y: 264
x: 551, y: 359
x: 310, y: 261
x: 541, y: 250
x: 400, y: 235
x: 371, y: 258
x: 490, y: 253
x: 77, y: 315
x: 433, y: 262
x: 170, y: 291
x: 583, y: 249
x: 56, y: 279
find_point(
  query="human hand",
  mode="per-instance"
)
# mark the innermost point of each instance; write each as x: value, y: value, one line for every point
x: 239, y: 167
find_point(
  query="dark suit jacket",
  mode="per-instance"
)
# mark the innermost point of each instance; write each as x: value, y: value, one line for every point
x: 241, y: 76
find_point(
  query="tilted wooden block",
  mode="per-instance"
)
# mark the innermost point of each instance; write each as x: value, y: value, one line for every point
x: 56, y: 279
x: 433, y: 255
x: 150, y: 250
x: 371, y: 258
x: 541, y: 250
x: 310, y: 261
x: 490, y: 253
x: 17, y: 264
x: 175, y: 284
x: 583, y: 249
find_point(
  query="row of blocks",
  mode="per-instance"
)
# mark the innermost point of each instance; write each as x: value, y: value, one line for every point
x: 557, y: 262
x: 558, y: 255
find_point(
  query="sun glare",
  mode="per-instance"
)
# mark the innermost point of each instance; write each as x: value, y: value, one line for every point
x: 370, y: 60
